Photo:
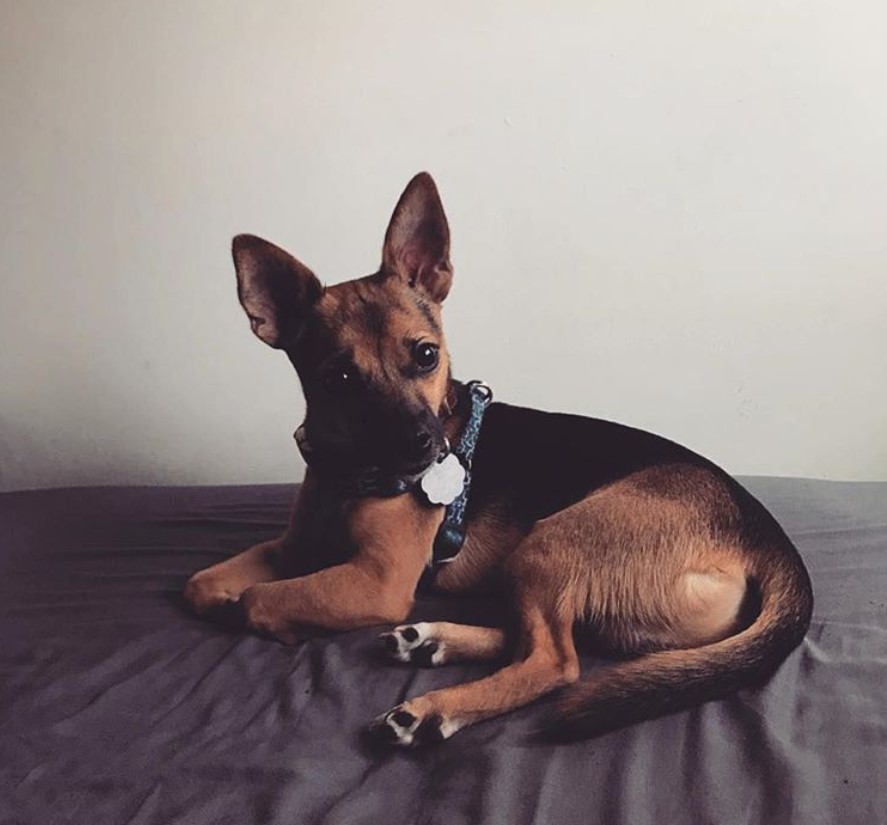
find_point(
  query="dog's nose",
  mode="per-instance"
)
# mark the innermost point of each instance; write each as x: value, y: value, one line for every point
x: 421, y: 442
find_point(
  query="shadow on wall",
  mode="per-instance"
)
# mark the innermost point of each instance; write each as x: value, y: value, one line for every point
x: 100, y: 451
x: 29, y: 461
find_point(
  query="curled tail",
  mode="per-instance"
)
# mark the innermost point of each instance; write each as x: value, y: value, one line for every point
x: 657, y: 684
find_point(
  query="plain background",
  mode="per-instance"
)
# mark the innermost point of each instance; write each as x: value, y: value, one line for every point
x: 671, y: 214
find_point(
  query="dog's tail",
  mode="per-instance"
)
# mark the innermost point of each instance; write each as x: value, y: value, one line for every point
x: 660, y: 683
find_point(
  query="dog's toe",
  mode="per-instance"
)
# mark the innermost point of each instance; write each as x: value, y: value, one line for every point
x: 402, y: 728
x: 428, y: 654
x: 414, y: 643
x: 397, y: 727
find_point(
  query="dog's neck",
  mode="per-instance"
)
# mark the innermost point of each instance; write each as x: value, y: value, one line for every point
x: 455, y: 411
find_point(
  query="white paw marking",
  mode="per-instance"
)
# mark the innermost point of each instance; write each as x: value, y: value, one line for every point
x: 414, y: 643
x: 397, y: 727
x: 448, y: 727
x: 402, y: 728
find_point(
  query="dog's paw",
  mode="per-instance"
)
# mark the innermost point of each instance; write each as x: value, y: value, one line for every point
x: 415, y: 643
x: 206, y: 594
x: 403, y: 728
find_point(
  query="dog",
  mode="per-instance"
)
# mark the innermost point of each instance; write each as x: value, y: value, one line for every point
x: 593, y: 530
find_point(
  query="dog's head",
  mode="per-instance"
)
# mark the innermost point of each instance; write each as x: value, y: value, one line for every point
x: 370, y: 352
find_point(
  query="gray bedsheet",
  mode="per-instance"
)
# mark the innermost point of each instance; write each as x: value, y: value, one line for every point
x: 116, y: 706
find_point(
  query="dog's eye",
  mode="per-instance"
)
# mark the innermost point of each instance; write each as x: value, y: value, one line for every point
x: 426, y: 356
x: 337, y: 380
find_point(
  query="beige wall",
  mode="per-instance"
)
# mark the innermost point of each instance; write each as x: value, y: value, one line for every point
x: 670, y: 214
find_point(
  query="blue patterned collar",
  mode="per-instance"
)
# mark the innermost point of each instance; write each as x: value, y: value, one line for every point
x: 451, y: 533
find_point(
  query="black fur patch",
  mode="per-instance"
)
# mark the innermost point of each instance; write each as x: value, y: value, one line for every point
x: 403, y: 718
x: 423, y: 655
x: 426, y: 310
x: 429, y: 730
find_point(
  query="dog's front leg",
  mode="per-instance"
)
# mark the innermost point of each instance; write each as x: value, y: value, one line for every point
x: 392, y: 540
x: 339, y: 598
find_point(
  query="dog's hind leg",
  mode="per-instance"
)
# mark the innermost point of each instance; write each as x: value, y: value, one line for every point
x: 546, y: 660
x: 438, y: 643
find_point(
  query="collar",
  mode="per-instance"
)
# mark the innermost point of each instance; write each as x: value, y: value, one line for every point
x: 451, y: 533
x: 447, y: 480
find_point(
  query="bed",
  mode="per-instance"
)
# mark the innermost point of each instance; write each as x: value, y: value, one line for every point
x: 117, y: 706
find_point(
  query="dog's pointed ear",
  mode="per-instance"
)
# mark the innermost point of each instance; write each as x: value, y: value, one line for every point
x: 274, y: 288
x: 417, y: 243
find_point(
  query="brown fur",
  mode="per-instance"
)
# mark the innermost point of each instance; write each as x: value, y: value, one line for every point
x: 657, y: 564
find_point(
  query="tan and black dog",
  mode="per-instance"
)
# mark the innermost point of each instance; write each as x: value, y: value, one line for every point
x: 658, y: 554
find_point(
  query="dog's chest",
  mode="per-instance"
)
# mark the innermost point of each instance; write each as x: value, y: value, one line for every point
x: 318, y: 534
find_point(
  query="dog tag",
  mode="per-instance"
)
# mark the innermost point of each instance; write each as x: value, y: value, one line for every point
x: 444, y: 480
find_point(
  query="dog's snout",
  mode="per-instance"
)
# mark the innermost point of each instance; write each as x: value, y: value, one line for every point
x: 422, y: 441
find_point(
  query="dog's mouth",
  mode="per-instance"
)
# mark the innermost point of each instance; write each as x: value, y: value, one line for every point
x: 418, y: 466
x: 411, y: 468
x: 365, y: 468
x: 414, y: 469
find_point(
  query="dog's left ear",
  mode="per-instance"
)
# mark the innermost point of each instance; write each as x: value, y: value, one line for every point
x: 417, y: 243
